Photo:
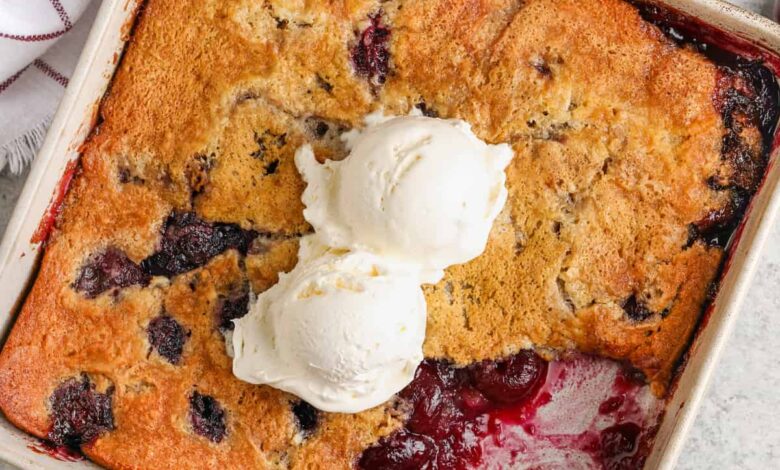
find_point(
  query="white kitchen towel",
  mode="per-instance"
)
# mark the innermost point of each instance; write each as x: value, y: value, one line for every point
x: 40, y: 41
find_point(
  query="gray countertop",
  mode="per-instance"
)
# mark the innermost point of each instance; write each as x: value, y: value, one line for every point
x: 738, y: 425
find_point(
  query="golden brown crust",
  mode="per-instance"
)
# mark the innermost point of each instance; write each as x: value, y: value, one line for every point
x: 615, y: 135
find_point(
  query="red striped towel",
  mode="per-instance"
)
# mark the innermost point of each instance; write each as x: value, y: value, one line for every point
x: 40, y: 41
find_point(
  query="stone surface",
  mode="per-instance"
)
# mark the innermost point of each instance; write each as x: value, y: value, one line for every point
x: 737, y: 425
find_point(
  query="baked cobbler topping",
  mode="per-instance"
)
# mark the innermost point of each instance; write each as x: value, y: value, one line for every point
x: 637, y: 152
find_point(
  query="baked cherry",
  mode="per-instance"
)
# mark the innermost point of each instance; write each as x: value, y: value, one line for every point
x: 510, y: 380
x: 371, y: 54
x: 636, y: 309
x: 232, y: 307
x: 402, y: 450
x: 167, y: 337
x: 433, y: 400
x: 109, y: 269
x: 189, y: 242
x: 619, y: 441
x: 207, y: 417
x: 79, y: 413
x: 473, y: 402
x: 611, y: 404
x: 306, y: 415
x: 462, y: 449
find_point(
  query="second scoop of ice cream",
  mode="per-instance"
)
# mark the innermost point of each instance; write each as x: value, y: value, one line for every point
x: 419, y: 189
x: 344, y: 331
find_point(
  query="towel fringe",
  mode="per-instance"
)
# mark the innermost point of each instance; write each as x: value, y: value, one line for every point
x: 19, y: 152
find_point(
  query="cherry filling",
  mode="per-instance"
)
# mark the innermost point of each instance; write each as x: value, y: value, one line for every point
x: 402, y: 450
x: 521, y: 411
x: 189, y: 242
x: 449, y: 408
x: 57, y: 452
x: 509, y: 381
x: 79, y: 413
x: 110, y: 269
x: 371, y: 53
x: 618, y: 445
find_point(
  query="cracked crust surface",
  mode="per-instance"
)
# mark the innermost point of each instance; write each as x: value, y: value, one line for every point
x: 615, y: 135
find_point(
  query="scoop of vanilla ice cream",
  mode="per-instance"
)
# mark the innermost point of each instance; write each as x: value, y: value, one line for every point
x: 343, y: 330
x: 420, y: 189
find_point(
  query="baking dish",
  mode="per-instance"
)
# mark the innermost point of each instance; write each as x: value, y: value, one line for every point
x: 53, y: 169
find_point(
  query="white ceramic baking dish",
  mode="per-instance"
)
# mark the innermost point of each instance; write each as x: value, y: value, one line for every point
x: 19, y: 257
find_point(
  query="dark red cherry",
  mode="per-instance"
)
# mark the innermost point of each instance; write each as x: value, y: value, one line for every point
x: 401, y: 450
x: 619, y: 440
x: 611, y: 404
x: 434, y: 400
x: 464, y: 447
x: 636, y: 309
x: 510, y: 380
x: 473, y: 402
x: 109, y: 269
x: 189, y: 242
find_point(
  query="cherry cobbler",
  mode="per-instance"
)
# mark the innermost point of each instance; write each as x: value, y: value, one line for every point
x: 638, y: 144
